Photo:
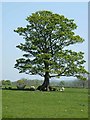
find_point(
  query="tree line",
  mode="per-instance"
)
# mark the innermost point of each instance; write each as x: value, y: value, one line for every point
x: 70, y: 83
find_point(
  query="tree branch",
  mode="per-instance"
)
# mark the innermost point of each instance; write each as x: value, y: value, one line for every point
x: 61, y: 74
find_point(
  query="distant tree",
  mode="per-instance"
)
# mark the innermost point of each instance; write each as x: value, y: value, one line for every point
x: 84, y: 83
x: 62, y: 83
x: 3, y: 82
x: 37, y: 82
x: 6, y: 83
x: 46, y: 37
x: 0, y: 83
x: 21, y: 83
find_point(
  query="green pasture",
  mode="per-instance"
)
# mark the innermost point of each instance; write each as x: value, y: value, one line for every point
x: 72, y: 103
x: 0, y: 104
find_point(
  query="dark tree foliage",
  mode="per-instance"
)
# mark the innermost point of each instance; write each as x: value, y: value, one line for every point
x: 47, y: 36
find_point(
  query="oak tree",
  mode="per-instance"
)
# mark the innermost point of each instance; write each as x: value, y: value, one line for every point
x: 47, y: 36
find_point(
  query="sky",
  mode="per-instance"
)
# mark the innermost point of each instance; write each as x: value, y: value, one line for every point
x: 1, y: 42
x: 14, y: 15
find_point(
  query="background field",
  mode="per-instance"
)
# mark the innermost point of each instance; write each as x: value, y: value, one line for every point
x: 72, y: 103
x: 0, y: 104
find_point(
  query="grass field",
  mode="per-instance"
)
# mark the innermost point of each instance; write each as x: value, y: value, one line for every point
x: 0, y: 104
x: 72, y: 103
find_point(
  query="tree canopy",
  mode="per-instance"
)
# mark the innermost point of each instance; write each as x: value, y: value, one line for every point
x: 47, y: 36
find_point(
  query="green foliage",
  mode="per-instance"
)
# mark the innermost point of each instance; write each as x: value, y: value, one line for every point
x: 21, y: 84
x: 3, y: 82
x: 6, y: 83
x: 62, y: 83
x: 46, y: 37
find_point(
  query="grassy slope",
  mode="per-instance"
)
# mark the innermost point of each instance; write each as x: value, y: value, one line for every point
x: 0, y: 104
x: 73, y: 103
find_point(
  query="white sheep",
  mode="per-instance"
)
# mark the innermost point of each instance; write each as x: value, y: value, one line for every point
x: 33, y: 87
x: 62, y: 89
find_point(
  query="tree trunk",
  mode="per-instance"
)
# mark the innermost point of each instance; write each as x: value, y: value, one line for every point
x: 45, y: 85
